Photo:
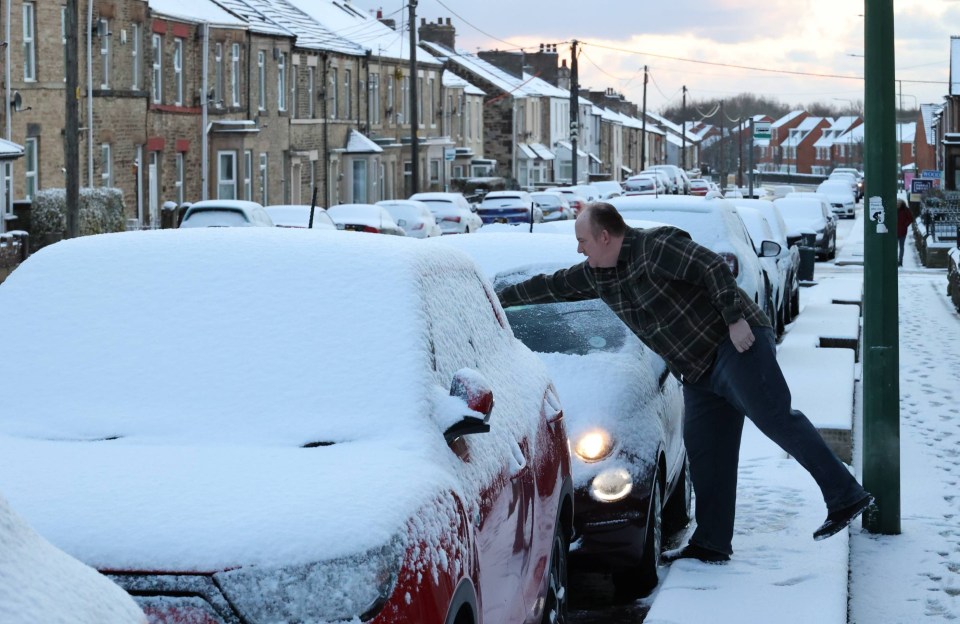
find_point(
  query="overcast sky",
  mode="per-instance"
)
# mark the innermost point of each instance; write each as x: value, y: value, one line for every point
x: 809, y: 36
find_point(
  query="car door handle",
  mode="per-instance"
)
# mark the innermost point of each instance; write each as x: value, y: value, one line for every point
x: 519, y: 461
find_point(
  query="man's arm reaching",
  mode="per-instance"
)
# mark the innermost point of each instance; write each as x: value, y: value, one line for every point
x: 573, y: 284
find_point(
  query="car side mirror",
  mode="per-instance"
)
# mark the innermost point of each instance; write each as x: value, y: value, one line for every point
x: 402, y: 222
x: 769, y: 249
x: 475, y: 391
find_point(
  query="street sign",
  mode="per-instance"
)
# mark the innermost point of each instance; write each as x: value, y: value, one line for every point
x: 449, y: 153
x: 761, y: 130
x: 920, y: 185
x: 930, y: 173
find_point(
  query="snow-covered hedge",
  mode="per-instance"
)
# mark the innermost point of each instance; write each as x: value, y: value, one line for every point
x: 101, y: 211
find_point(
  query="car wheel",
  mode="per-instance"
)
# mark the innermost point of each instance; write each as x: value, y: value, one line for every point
x: 795, y: 304
x: 640, y: 580
x: 677, y: 511
x: 833, y: 248
x: 555, y: 605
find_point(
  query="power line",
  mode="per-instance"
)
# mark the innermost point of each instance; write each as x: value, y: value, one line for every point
x: 461, y: 18
x: 747, y: 67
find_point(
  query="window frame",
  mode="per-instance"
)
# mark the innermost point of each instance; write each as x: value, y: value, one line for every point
x: 29, y: 31
x: 104, y: 53
x: 106, y: 165
x: 262, y: 79
x: 218, y: 80
x: 178, y: 70
x: 135, y: 55
x: 224, y: 182
x: 31, y: 150
x: 178, y: 179
x: 264, y: 171
x: 156, y: 42
x: 282, y: 81
x: 334, y: 94
x: 248, y: 175
x: 235, y: 74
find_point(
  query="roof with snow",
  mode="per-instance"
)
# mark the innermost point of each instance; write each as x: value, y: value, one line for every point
x: 800, y: 133
x: 310, y: 32
x: 10, y: 150
x: 508, y: 83
x: 929, y: 112
x: 453, y: 81
x: 357, y: 143
x: 202, y: 11
x: 787, y: 118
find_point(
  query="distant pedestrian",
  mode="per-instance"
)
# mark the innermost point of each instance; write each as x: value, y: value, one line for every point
x: 682, y: 301
x: 904, y: 219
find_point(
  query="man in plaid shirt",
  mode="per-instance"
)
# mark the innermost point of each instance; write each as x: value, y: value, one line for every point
x: 683, y: 302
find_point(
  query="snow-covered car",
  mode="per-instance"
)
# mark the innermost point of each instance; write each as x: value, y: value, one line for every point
x: 843, y: 198
x: 298, y: 216
x: 413, y: 216
x: 789, y: 259
x: 713, y: 223
x: 669, y: 181
x: 608, y: 188
x: 624, y: 412
x: 645, y: 184
x: 857, y: 176
x: 452, y: 211
x: 41, y: 583
x: 774, y: 281
x: 369, y: 218
x: 678, y: 175
x: 509, y: 207
x: 575, y: 195
x: 809, y: 213
x: 225, y: 213
x: 699, y: 187
x: 554, y: 205
x: 386, y: 452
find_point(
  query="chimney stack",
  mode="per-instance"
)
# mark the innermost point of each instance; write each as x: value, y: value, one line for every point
x: 442, y: 33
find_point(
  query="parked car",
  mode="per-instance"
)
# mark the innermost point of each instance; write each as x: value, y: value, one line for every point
x: 623, y: 410
x: 413, y: 216
x: 41, y: 583
x: 385, y: 451
x: 608, y: 188
x: 225, y: 213
x: 453, y: 212
x: 554, y: 205
x: 298, y: 216
x: 857, y: 175
x: 782, y: 190
x: 842, y: 199
x: 509, y: 207
x: 712, y: 222
x: 645, y: 184
x: 369, y: 218
x: 699, y: 187
x: 678, y: 175
x: 669, y: 181
x: 590, y: 192
x: 577, y: 201
x: 775, y: 279
x: 806, y: 214
x: 789, y: 258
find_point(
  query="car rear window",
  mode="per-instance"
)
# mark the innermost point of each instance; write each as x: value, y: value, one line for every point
x: 214, y: 217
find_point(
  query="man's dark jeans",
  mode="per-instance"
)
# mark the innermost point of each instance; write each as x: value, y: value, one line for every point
x: 751, y: 384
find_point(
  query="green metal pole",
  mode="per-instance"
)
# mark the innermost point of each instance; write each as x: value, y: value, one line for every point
x: 881, y: 351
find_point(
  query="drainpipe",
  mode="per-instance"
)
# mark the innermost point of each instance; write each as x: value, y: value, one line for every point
x: 326, y: 121
x: 205, y: 143
x: 6, y: 98
x: 89, y: 92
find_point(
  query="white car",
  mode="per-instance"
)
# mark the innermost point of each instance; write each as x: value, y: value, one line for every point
x: 368, y: 218
x: 554, y: 205
x: 774, y: 278
x: 789, y: 258
x: 509, y: 207
x: 608, y: 188
x: 843, y: 199
x: 644, y: 184
x: 809, y: 213
x: 298, y: 216
x: 225, y: 213
x: 577, y: 201
x: 453, y: 212
x: 669, y: 181
x: 857, y: 175
x: 712, y: 223
x: 678, y: 175
x: 41, y: 583
x: 413, y: 216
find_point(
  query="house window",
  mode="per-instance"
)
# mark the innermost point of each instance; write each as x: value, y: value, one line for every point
x: 419, y: 120
x: 178, y: 183
x: 106, y: 165
x: 227, y: 175
x: 434, y: 171
x: 391, y: 104
x: 105, y: 53
x: 467, y: 120
x: 433, y: 103
x: 374, y: 105
x: 360, y: 181
x: 248, y: 175
x: 135, y: 55
x: 7, y: 187
x: 333, y: 93
x: 218, y: 75
x: 282, y: 81
x: 294, y: 76
x: 157, y: 69
x: 262, y: 80
x: 178, y: 69
x: 263, y: 179
x: 311, y: 87
x: 30, y: 149
x: 347, y: 94
x: 29, y: 43
x: 404, y: 100
x: 235, y: 74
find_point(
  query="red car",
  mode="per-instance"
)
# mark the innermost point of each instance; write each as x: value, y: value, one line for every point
x: 325, y: 428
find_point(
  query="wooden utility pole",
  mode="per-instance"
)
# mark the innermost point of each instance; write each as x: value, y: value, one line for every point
x: 71, y: 136
x: 414, y: 113
x: 643, y: 129
x: 574, y: 111
x: 683, y: 151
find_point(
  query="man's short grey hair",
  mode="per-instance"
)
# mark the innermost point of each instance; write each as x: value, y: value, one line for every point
x: 603, y: 216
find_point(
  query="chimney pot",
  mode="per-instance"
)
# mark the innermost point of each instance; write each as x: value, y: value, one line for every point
x: 448, y: 21
x: 440, y: 21
x: 379, y: 13
x: 423, y: 21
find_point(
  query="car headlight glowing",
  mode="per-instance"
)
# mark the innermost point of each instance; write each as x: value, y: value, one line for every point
x: 611, y: 485
x: 334, y: 590
x: 593, y: 445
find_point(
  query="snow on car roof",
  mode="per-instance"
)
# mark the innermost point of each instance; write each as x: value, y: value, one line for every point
x: 157, y: 370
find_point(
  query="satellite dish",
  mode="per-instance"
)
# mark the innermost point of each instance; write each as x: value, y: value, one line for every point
x: 16, y: 101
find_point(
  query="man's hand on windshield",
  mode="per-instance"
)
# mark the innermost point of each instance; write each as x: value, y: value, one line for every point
x: 741, y: 335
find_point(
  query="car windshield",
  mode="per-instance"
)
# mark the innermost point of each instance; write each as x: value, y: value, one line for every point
x: 213, y: 217
x: 403, y: 211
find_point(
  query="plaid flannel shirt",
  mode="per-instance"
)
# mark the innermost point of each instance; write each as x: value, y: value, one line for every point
x: 677, y: 296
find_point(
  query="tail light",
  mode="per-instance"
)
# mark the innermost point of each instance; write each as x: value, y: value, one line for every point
x: 732, y: 262
x: 418, y: 226
x: 371, y: 230
x: 451, y: 219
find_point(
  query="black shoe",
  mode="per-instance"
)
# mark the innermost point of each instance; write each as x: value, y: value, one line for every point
x: 692, y: 551
x: 838, y: 520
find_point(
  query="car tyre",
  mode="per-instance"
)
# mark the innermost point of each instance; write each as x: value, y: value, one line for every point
x: 795, y: 304
x: 679, y: 508
x: 555, y: 603
x: 639, y: 581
